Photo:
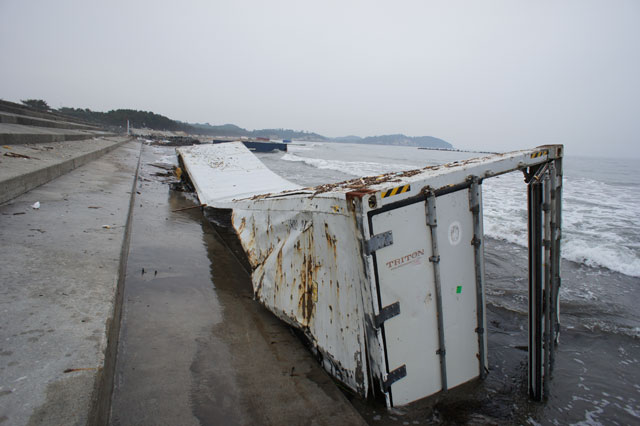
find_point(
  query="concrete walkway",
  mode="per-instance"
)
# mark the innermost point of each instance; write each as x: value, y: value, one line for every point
x: 60, y: 266
x: 14, y: 134
x: 195, y: 348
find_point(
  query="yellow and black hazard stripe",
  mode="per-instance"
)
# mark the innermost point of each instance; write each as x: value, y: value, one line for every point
x: 540, y: 153
x: 395, y: 191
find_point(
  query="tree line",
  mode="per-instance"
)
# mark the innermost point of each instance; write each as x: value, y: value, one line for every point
x: 151, y: 120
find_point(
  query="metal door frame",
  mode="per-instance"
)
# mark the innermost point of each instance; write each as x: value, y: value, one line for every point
x: 544, y: 216
x: 471, y: 184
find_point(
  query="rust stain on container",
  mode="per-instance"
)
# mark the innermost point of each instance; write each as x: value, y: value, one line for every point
x: 280, y: 278
x: 306, y: 304
x: 331, y: 241
x: 243, y: 223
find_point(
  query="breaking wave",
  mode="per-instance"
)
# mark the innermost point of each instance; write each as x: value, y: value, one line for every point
x: 600, y: 223
x: 355, y: 168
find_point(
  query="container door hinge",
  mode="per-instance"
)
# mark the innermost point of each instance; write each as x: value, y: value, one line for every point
x: 386, y: 313
x: 378, y: 241
x: 394, y: 376
x: 434, y: 259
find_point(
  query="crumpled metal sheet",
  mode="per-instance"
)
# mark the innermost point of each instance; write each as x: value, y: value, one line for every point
x: 302, y: 271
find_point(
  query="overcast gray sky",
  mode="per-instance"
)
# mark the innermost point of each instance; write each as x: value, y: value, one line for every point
x: 490, y: 75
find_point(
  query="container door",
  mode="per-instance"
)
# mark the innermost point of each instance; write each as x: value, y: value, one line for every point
x: 458, y: 282
x: 406, y: 275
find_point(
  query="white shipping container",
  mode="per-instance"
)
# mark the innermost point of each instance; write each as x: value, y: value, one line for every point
x: 384, y: 275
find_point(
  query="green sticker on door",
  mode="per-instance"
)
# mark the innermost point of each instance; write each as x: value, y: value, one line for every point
x: 459, y: 289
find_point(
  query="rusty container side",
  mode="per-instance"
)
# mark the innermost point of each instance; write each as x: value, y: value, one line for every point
x: 303, y: 253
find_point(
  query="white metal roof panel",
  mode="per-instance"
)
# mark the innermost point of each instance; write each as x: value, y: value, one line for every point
x: 225, y: 172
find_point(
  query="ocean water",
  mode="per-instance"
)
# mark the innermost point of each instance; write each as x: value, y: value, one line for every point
x: 597, y: 374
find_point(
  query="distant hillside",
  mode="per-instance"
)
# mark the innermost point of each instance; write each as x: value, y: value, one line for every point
x: 233, y: 130
x: 402, y: 140
x: 222, y: 130
x: 348, y: 139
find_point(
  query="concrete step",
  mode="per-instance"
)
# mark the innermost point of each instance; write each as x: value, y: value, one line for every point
x: 15, y: 134
x: 27, y: 166
x: 11, y: 118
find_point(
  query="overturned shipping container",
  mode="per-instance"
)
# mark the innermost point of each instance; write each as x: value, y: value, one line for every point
x: 384, y: 275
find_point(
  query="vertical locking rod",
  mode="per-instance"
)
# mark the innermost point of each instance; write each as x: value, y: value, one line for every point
x: 546, y: 207
x: 432, y: 222
x: 556, y: 252
x: 478, y: 249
